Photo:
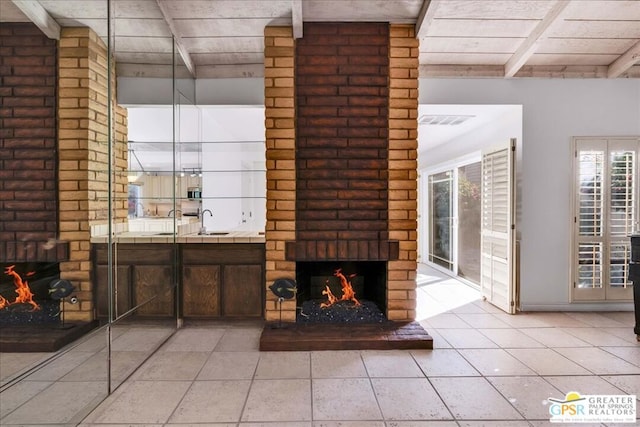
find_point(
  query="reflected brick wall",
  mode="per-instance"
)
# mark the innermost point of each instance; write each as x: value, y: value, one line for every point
x: 28, y: 145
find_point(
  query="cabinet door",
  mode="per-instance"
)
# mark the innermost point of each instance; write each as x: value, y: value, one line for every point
x: 166, y: 187
x: 201, y: 286
x: 242, y: 291
x: 122, y: 291
x: 153, y: 290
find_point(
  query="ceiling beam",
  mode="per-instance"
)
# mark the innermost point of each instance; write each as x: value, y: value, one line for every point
x: 539, y: 34
x: 296, y: 18
x: 538, y: 71
x: 39, y: 16
x: 184, y: 54
x: 425, y: 17
x: 626, y: 61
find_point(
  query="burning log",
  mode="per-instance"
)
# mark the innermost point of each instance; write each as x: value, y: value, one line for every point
x: 348, y: 294
x: 331, y: 299
x: 24, y: 294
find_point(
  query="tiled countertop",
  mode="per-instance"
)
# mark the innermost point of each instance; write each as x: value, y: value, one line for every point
x: 155, y: 237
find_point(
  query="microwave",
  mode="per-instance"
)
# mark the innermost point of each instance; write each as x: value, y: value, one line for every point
x: 194, y: 193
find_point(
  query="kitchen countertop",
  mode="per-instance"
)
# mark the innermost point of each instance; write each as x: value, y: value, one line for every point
x: 156, y: 237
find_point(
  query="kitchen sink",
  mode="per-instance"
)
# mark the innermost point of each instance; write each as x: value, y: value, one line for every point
x: 167, y: 233
x: 217, y: 233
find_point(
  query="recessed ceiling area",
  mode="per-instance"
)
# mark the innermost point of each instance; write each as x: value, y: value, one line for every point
x: 458, y: 38
x: 433, y: 135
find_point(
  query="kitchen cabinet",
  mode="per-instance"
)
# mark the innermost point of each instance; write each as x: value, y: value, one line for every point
x: 241, y: 300
x: 122, y: 290
x: 223, y: 280
x: 144, y: 279
x: 186, y: 182
x: 215, y: 280
x: 153, y: 290
x: 160, y: 187
x: 201, y: 284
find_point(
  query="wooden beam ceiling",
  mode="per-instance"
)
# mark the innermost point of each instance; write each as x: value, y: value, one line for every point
x: 39, y: 16
x: 625, y: 62
x: 184, y: 54
x: 296, y: 18
x: 530, y: 45
x: 427, y: 13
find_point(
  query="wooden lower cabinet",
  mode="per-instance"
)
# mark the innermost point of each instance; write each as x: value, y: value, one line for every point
x: 215, y: 280
x: 201, y: 290
x: 122, y: 290
x: 153, y: 290
x: 241, y: 300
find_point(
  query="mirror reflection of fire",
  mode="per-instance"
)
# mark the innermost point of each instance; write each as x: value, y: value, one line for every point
x: 24, y: 294
x: 348, y: 294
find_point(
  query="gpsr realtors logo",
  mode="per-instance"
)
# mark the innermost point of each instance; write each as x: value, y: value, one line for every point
x: 593, y: 408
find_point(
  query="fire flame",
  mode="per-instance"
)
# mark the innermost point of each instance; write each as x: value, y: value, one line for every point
x: 348, y: 294
x: 25, y: 296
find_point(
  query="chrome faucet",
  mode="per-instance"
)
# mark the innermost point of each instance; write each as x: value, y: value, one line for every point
x: 172, y: 211
x: 203, y: 229
x: 136, y: 210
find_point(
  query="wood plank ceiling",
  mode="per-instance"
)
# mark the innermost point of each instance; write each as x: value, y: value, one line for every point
x: 458, y: 38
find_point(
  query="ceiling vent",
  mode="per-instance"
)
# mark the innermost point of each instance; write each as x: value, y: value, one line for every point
x: 446, y: 120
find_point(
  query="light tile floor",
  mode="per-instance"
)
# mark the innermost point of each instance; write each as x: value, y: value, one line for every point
x: 487, y: 369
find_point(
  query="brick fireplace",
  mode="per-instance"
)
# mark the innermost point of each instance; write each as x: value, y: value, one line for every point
x: 53, y: 155
x: 341, y: 134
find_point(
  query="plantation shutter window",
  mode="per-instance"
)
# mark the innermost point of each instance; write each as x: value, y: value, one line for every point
x: 606, y: 214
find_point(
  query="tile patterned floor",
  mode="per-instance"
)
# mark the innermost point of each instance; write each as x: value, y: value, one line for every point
x: 487, y: 369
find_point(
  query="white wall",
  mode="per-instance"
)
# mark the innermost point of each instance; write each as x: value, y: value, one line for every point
x: 233, y: 142
x: 553, y: 112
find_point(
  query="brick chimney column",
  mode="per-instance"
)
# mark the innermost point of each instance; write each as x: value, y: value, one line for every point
x: 83, y: 156
x: 279, y: 99
x: 400, y: 162
x: 403, y: 171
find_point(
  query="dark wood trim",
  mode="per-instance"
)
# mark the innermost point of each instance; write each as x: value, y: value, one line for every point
x: 342, y: 250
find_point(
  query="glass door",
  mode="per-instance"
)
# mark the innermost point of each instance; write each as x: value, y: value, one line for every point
x: 441, y: 219
x: 469, y: 226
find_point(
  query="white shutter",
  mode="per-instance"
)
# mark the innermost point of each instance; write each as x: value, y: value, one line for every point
x: 623, y: 215
x: 591, y: 181
x: 498, y: 227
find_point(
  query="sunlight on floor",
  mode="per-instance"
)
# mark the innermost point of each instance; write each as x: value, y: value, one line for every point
x: 437, y: 294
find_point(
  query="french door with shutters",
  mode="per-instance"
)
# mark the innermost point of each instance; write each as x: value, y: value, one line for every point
x: 497, y: 277
x: 606, y: 206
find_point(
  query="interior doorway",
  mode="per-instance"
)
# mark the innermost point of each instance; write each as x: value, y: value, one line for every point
x: 454, y: 218
x: 453, y: 179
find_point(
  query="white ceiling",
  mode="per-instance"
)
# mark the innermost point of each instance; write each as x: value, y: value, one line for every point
x: 458, y: 38
x: 475, y: 117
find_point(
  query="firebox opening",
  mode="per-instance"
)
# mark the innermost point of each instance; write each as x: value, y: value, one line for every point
x: 315, y: 280
x: 25, y: 294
